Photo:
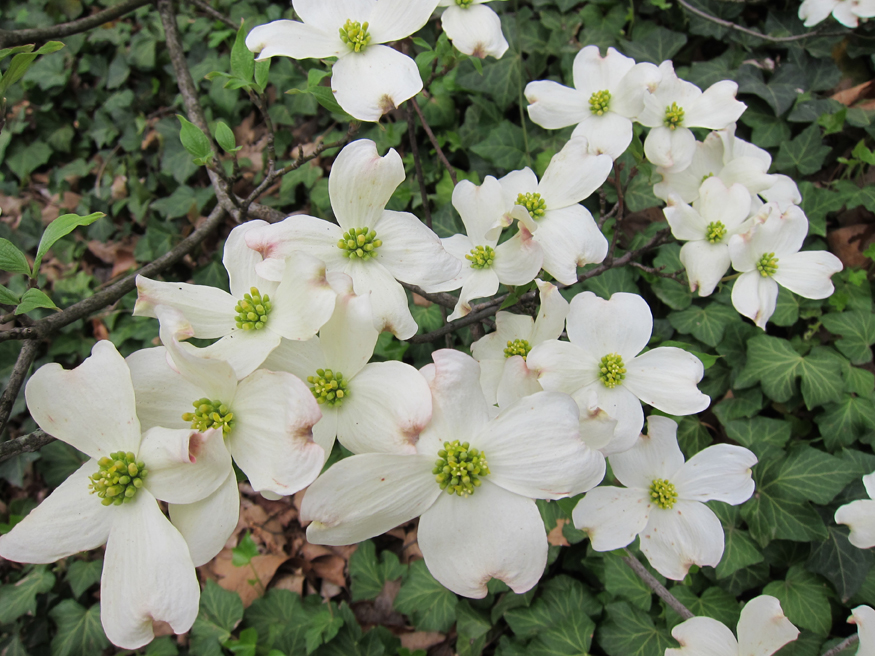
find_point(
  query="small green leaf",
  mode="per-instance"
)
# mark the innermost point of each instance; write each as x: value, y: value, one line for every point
x: 226, y: 138
x: 804, y: 154
x: 17, y: 599
x: 12, y: 259
x: 262, y: 71
x: 242, y: 59
x: 61, y: 227
x: 33, y: 299
x: 8, y: 297
x: 631, y: 632
x: 841, y: 563
x: 220, y: 612
x: 245, y: 551
x: 430, y: 605
x: 82, y: 574
x: 803, y: 599
x: 193, y: 139
x: 79, y: 630
x: 857, y: 330
x: 324, y: 625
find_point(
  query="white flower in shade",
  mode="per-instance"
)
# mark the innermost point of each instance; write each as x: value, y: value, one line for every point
x: 565, y: 230
x: 473, y: 28
x: 864, y: 618
x: 601, y: 365
x: 608, y: 95
x: 473, y: 481
x: 768, y: 255
x: 257, y: 313
x: 717, y: 215
x: 675, y: 107
x: 846, y: 12
x: 368, y: 79
x: 377, y: 406
x: 663, y: 500
x: 372, y: 245
x: 148, y: 574
x: 762, y: 630
x: 859, y: 516
x: 485, y: 264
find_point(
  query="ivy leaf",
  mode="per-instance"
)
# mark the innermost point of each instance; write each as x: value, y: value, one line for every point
x: 706, y: 324
x: 762, y: 435
x: 843, y: 423
x: 809, y: 474
x: 658, y: 46
x: 739, y: 551
x: 280, y: 619
x: 17, y: 599
x: 714, y: 602
x: 245, y: 551
x: 630, y: 632
x: 804, y: 154
x: 12, y: 259
x: 622, y: 582
x: 570, y: 637
x: 674, y: 294
x: 33, y: 299
x: 61, y: 227
x: 803, y: 599
x: 220, y: 612
x: 857, y: 330
x: 840, y: 562
x: 368, y: 574
x: 82, y: 574
x: 817, y: 203
x: 504, y: 147
x: 324, y: 626
x: 79, y: 630
x: 430, y: 605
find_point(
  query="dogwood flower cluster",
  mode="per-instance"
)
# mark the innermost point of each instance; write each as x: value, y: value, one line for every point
x: 846, y: 12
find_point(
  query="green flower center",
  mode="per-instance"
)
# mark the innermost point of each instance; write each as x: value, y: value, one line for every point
x: 663, y: 493
x: 328, y: 387
x: 599, y: 102
x: 118, y: 479
x: 252, y: 310
x: 359, y: 242
x: 533, y: 203
x: 481, y: 257
x: 767, y: 265
x: 464, y: 4
x: 611, y: 370
x: 715, y: 232
x: 674, y: 116
x: 210, y: 414
x: 355, y: 35
x: 517, y: 347
x: 459, y: 467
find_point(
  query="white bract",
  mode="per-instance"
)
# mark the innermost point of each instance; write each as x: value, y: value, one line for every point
x: 372, y: 245
x: 473, y: 481
x: 663, y: 500
x: 473, y: 28
x: 601, y: 367
x: 367, y: 79
x: 675, y: 107
x: 608, y: 95
x: 768, y: 255
x: 864, y: 618
x: 859, y: 516
x: 258, y: 312
x: 565, y: 230
x: 846, y: 12
x: 715, y: 216
x: 148, y: 574
x: 762, y: 630
x: 485, y: 264
x: 377, y: 406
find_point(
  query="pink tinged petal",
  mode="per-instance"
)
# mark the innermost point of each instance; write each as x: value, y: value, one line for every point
x: 555, y: 106
x: 240, y: 260
x: 163, y: 395
x: 533, y: 448
x: 366, y: 495
x: 616, y: 407
x: 296, y: 40
x: 755, y: 297
x: 816, y: 11
x: 859, y: 516
x: 332, y: 15
x: 627, y: 98
x: 209, y: 309
x: 411, y: 252
x: 666, y: 378
x: 517, y: 381
x: 304, y: 300
x: 388, y: 406
x: 864, y: 618
x: 703, y: 636
x: 762, y: 628
x: 685, y: 222
x: 593, y: 73
x: 687, y: 534
x: 551, y: 316
x: 296, y: 233
x: 728, y: 205
x: 480, y: 283
x: 349, y: 337
x: 272, y: 439
x: 475, y: 31
x: 844, y: 13
x: 299, y: 358
x: 808, y: 273
x: 393, y: 20
x: 361, y: 183
x: 705, y: 264
x: 609, y: 134
x: 378, y: 79
x: 70, y: 520
x: 652, y: 456
x: 243, y: 350
x: 148, y: 576
x: 620, y: 325
x: 673, y: 149
x: 388, y: 299
x: 715, y: 108
x: 569, y: 237
x: 207, y: 524
x: 491, y: 375
x: 491, y: 534
x: 563, y: 366
x: 91, y: 407
x: 720, y: 473
x: 184, y: 466
x: 482, y: 209
x: 612, y: 516
x: 573, y: 175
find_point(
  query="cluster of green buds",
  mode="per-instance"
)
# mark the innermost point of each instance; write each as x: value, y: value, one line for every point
x: 118, y: 479
x: 329, y: 387
x: 481, y: 257
x: 459, y: 467
x: 355, y: 35
x: 517, y: 347
x: 767, y: 265
x: 210, y: 414
x: 663, y: 493
x: 611, y: 370
x: 359, y: 242
x: 252, y: 310
x: 715, y: 232
x: 533, y: 202
x: 674, y: 116
x: 599, y: 102
x: 464, y: 4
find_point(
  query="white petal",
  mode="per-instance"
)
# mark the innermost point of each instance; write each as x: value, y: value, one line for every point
x: 482, y: 209
x: 361, y: 183
x: 209, y: 309
x: 573, y: 175
x: 491, y: 534
x: 491, y: 374
x: 304, y: 300
x: 325, y: 430
x: 70, y: 520
x: 366, y: 495
x: 686, y: 223
x: 518, y: 182
x: 609, y: 134
x: 705, y: 264
x: 207, y: 524
x: 620, y: 406
x: 163, y: 395
x: 653, y: 456
x: 844, y: 13
x: 388, y: 299
x: 752, y: 173
x: 859, y: 516
x: 240, y: 260
x: 720, y: 472
x: 91, y: 407
x: 272, y: 439
x: 508, y: 327
x: 730, y: 205
x: 612, y: 516
x: 370, y: 83
x: 555, y: 106
x: 673, y: 149
x: 703, y: 636
x: 517, y: 381
x: 480, y: 283
x: 784, y: 192
x: 627, y: 98
x: 412, y: 252
x: 243, y: 350
x: 755, y: 297
x: 551, y: 316
x: 666, y: 378
x: 715, y: 108
x: 148, y: 576
x: 808, y: 273
x: 299, y: 358
x: 332, y: 15
x: 475, y: 31
x: 393, y: 20
x: 593, y: 73
x: 687, y: 534
x: 621, y: 325
x: 569, y: 237
x: 296, y: 233
x: 562, y: 366
x: 388, y: 406
x: 864, y: 618
x: 816, y: 11
x: 347, y: 340
x: 762, y: 628
x: 296, y: 40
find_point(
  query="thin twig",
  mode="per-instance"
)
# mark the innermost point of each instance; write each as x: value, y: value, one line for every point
x: 844, y: 644
x: 439, y: 298
x: 24, y: 444
x: 765, y: 37
x: 217, y: 15
x: 16, y: 378
x: 417, y: 163
x: 440, y: 153
x: 660, y: 590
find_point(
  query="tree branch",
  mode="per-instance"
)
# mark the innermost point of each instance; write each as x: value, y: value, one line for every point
x: 24, y: 444
x: 213, y: 13
x: 660, y: 590
x: 16, y: 378
x: 844, y: 644
x: 431, y: 137
x: 439, y: 298
x: 417, y: 163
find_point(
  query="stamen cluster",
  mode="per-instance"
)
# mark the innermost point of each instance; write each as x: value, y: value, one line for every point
x: 715, y: 232
x: 328, y: 387
x: 359, y: 242
x: 355, y: 35
x: 517, y: 347
x: 674, y: 116
x: 210, y: 414
x: 663, y: 493
x: 767, y: 265
x: 533, y: 202
x: 599, y: 102
x: 481, y: 257
x: 611, y: 370
x: 252, y: 310
x: 118, y: 479
x: 459, y: 467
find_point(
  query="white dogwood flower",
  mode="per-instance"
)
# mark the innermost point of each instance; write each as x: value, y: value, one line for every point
x: 473, y: 28
x: 372, y: 245
x: 864, y: 618
x: 674, y: 107
x: 257, y: 313
x: 473, y: 481
x: 768, y: 255
x: 762, y: 630
x: 663, y: 500
x: 148, y: 574
x: 846, y: 12
x: 565, y: 230
x: 367, y: 79
x: 608, y: 96
x: 602, y: 360
x: 859, y: 516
